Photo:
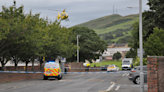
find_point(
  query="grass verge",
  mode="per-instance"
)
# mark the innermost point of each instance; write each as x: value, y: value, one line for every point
x: 118, y: 63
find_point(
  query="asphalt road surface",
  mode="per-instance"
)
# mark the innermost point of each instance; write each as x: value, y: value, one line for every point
x: 100, y: 82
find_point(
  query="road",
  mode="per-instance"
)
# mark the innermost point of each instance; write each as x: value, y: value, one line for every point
x: 101, y: 82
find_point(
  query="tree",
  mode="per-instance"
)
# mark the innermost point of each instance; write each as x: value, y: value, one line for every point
x: 151, y: 19
x: 131, y: 54
x: 156, y: 9
x: 26, y: 37
x: 90, y: 44
x: 155, y: 44
x: 117, y: 55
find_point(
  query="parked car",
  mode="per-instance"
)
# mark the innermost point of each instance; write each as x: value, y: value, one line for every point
x: 134, y: 74
x: 112, y: 67
x: 104, y: 68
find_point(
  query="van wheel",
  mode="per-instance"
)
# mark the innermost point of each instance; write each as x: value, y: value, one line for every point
x: 45, y: 77
x: 60, y: 77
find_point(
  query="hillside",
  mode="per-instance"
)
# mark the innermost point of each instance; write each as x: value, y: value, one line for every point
x: 112, y: 28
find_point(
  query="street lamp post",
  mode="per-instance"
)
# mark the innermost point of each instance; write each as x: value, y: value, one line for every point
x: 141, y: 47
x: 78, y: 48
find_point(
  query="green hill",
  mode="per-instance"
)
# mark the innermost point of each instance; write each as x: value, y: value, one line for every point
x: 112, y: 28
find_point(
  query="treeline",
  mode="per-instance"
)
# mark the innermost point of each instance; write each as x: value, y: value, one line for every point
x: 115, y: 34
x: 25, y: 37
x: 116, y: 22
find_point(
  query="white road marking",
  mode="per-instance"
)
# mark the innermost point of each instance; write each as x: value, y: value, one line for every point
x: 117, y: 87
x: 61, y: 80
x: 124, y: 74
x: 110, y: 87
x: 127, y: 74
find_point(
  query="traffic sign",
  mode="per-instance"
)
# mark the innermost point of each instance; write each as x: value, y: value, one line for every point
x: 100, y: 57
x: 138, y: 52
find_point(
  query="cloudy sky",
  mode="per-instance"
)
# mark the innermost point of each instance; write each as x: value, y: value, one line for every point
x: 79, y: 11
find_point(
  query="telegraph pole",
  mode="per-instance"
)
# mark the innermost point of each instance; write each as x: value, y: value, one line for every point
x: 78, y: 48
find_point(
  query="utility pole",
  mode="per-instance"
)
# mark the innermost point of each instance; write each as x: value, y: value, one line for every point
x: 78, y: 48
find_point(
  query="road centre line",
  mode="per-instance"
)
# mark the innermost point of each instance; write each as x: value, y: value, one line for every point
x: 110, y: 87
x: 117, y: 87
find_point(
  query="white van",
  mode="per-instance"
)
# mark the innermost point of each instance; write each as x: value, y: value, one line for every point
x: 127, y: 63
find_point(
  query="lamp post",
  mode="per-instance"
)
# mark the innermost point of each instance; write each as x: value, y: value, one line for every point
x: 77, y: 47
x: 141, y: 47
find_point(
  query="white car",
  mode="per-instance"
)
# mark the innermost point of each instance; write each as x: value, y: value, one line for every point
x: 112, y: 67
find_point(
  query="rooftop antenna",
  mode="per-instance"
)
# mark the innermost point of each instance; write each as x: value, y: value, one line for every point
x: 113, y: 9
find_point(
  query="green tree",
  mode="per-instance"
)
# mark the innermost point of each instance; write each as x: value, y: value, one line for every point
x: 117, y: 55
x: 156, y: 11
x: 131, y: 54
x: 90, y: 44
x: 151, y: 19
x: 155, y: 44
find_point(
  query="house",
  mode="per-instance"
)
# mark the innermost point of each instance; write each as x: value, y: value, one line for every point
x: 114, y: 48
x: 10, y: 64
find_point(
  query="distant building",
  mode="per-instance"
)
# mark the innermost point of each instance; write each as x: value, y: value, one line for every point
x: 113, y: 48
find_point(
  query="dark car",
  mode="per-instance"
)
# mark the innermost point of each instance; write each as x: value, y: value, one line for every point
x: 134, y: 75
x: 104, y: 68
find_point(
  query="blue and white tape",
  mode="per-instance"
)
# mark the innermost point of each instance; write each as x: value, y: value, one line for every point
x: 62, y: 72
x: 88, y: 68
x: 91, y: 68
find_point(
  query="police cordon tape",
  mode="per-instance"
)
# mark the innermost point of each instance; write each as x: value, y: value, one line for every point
x: 61, y: 72
x: 90, y: 68
x: 86, y: 68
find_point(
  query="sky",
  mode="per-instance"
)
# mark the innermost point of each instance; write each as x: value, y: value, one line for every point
x: 79, y: 11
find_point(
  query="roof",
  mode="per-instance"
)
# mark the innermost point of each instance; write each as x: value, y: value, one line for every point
x: 120, y: 44
x: 109, y: 44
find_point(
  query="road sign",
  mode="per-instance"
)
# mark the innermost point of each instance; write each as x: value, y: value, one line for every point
x: 100, y: 57
x: 64, y: 60
x: 138, y: 52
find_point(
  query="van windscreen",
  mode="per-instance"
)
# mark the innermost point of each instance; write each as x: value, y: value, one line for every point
x: 126, y: 63
x: 51, y: 65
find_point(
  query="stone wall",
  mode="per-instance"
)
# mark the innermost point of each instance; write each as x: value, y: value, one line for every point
x: 9, y: 77
x: 155, y: 73
x: 22, y: 68
x: 76, y: 65
x: 95, y: 70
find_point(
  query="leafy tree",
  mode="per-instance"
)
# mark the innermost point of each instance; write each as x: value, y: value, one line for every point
x: 11, y: 30
x: 151, y: 19
x: 156, y: 11
x: 109, y: 37
x: 131, y: 54
x: 89, y: 44
x: 155, y: 44
x: 26, y: 37
x: 119, y: 34
x: 117, y: 55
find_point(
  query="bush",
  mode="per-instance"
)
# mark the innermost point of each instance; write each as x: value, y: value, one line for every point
x: 136, y: 62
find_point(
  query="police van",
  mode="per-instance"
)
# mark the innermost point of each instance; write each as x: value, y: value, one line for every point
x: 52, y: 69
